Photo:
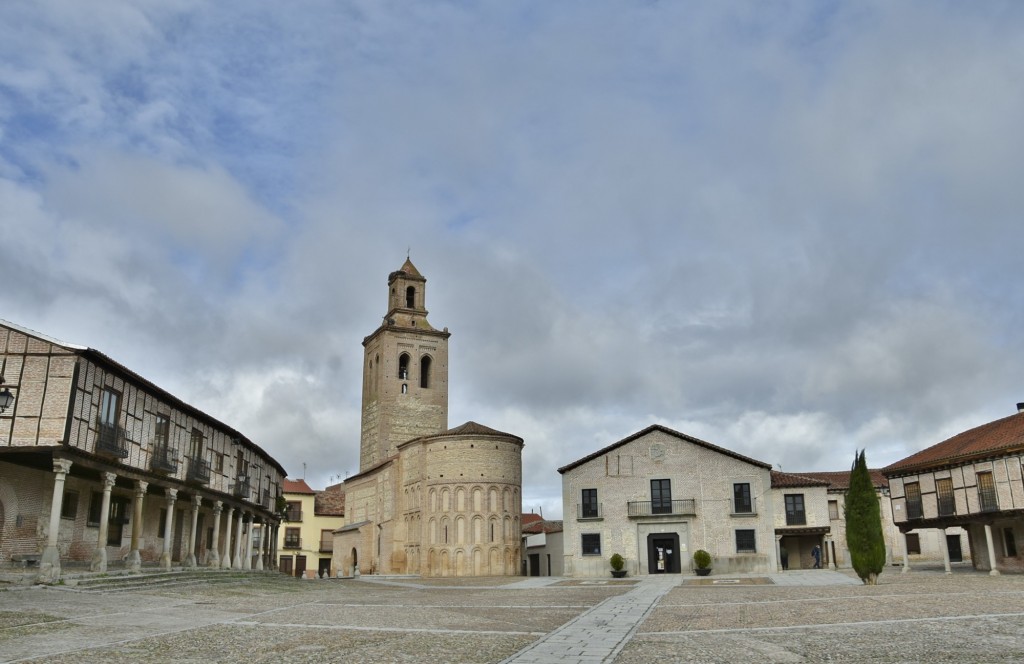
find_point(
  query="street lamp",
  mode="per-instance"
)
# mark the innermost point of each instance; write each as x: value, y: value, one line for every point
x: 6, y: 398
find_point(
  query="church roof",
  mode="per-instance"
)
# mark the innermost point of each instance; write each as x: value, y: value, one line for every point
x: 474, y: 429
x: 671, y: 432
x: 408, y: 270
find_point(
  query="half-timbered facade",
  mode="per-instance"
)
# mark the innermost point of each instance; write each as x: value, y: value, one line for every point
x: 99, y: 466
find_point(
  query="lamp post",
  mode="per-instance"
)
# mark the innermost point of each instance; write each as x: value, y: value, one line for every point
x: 6, y: 398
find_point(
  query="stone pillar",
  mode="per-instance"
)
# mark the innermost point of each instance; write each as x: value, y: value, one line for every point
x: 190, y: 559
x: 273, y: 546
x: 214, y: 559
x: 945, y: 550
x: 830, y: 551
x: 225, y: 562
x: 49, y: 564
x: 778, y: 553
x: 906, y: 556
x: 991, y: 551
x: 236, y: 563
x: 165, y: 557
x: 263, y: 545
x: 135, y: 556
x: 247, y: 544
x: 99, y: 557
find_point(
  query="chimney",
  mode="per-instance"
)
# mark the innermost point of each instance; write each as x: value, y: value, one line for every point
x: 1020, y: 406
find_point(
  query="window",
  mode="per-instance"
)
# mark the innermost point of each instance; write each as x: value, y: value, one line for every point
x: 161, y: 523
x: 69, y: 506
x: 292, y: 538
x: 161, y: 432
x: 403, y: 366
x: 913, y: 491
x: 405, y: 388
x: 196, y: 444
x: 588, y: 506
x: 95, y: 505
x: 110, y: 406
x: 833, y: 510
x: 913, y: 543
x: 741, y: 503
x: 661, y: 496
x: 218, y: 462
x: 795, y: 514
x: 293, y: 512
x: 987, y: 493
x: 425, y: 371
x: 745, y: 541
x: 410, y: 297
x: 947, y: 503
x: 591, y: 544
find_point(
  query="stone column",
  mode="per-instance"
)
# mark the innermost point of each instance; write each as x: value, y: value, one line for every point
x: 906, y: 556
x: 945, y: 550
x: 225, y: 562
x: 236, y: 563
x: 263, y: 545
x: 830, y: 551
x: 165, y: 557
x: 991, y: 551
x: 49, y: 564
x: 273, y: 546
x: 135, y: 556
x: 190, y: 559
x: 778, y: 552
x: 247, y: 544
x: 99, y: 557
x: 214, y: 559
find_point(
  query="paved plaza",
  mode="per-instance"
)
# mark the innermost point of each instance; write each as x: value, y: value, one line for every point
x: 802, y: 616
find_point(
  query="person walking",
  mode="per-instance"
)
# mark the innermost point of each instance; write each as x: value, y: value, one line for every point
x: 816, y: 554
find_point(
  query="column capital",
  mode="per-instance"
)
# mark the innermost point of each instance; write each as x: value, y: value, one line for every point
x: 62, y: 466
x: 217, y: 506
x: 140, y: 487
x: 108, y: 480
x: 197, y: 501
x: 172, y: 494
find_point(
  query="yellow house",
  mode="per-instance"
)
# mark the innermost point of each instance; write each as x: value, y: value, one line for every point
x: 306, y: 541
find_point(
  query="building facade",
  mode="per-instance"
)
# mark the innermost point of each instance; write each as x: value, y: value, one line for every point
x: 657, y: 496
x: 972, y: 481
x: 306, y: 538
x: 100, y: 466
x: 802, y: 521
x: 543, y: 547
x: 428, y: 500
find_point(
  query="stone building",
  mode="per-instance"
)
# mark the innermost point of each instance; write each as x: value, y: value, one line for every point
x: 972, y: 481
x: 543, y: 547
x: 801, y: 519
x: 98, y: 466
x: 306, y: 539
x: 657, y: 496
x: 428, y: 500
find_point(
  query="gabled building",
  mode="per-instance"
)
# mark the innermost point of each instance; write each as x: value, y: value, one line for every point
x: 802, y: 520
x: 543, y: 546
x: 306, y: 540
x: 99, y: 465
x: 657, y: 496
x: 971, y: 481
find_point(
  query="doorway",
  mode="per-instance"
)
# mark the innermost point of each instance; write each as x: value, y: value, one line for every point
x: 323, y: 568
x: 286, y: 565
x: 663, y: 553
x: 956, y: 555
x: 534, y: 564
x: 300, y: 566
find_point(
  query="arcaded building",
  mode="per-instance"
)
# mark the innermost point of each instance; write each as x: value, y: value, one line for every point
x: 427, y: 500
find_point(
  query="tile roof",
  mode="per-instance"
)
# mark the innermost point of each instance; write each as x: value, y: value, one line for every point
x: 782, y: 480
x: 998, y: 438
x: 671, y: 432
x: 296, y: 486
x: 840, y: 479
x: 330, y: 501
x: 531, y: 517
x: 537, y: 527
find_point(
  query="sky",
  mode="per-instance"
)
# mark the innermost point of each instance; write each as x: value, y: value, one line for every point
x: 791, y: 229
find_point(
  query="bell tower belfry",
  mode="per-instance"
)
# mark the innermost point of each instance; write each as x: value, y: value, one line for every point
x: 405, y: 372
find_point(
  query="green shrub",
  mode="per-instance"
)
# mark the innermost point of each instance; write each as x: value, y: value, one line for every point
x: 617, y: 562
x: 702, y: 559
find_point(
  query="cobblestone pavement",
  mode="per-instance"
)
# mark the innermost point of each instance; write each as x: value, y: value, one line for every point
x: 806, y: 617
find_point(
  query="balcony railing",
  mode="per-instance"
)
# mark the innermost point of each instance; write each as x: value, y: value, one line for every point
x: 292, y: 543
x: 914, y: 508
x: 110, y: 441
x: 796, y: 518
x: 947, y: 506
x: 988, y: 501
x: 749, y: 507
x: 164, y: 460
x: 241, y: 488
x: 293, y: 515
x: 590, y: 511
x: 326, y: 546
x: 265, y: 498
x: 686, y: 507
x: 198, y: 471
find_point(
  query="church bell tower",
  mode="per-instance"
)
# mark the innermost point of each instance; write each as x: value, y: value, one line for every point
x: 405, y: 372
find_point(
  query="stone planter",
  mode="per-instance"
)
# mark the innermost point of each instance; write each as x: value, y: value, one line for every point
x: 618, y: 573
x: 703, y: 571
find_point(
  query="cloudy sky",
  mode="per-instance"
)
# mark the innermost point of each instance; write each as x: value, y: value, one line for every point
x: 792, y: 229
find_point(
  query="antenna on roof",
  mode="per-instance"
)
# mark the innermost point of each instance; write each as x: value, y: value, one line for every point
x: 303, y: 470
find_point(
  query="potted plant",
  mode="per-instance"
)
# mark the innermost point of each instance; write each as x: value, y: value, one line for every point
x: 702, y: 561
x: 618, y: 563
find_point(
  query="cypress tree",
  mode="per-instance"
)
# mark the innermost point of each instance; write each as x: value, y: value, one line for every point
x: 864, y: 524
